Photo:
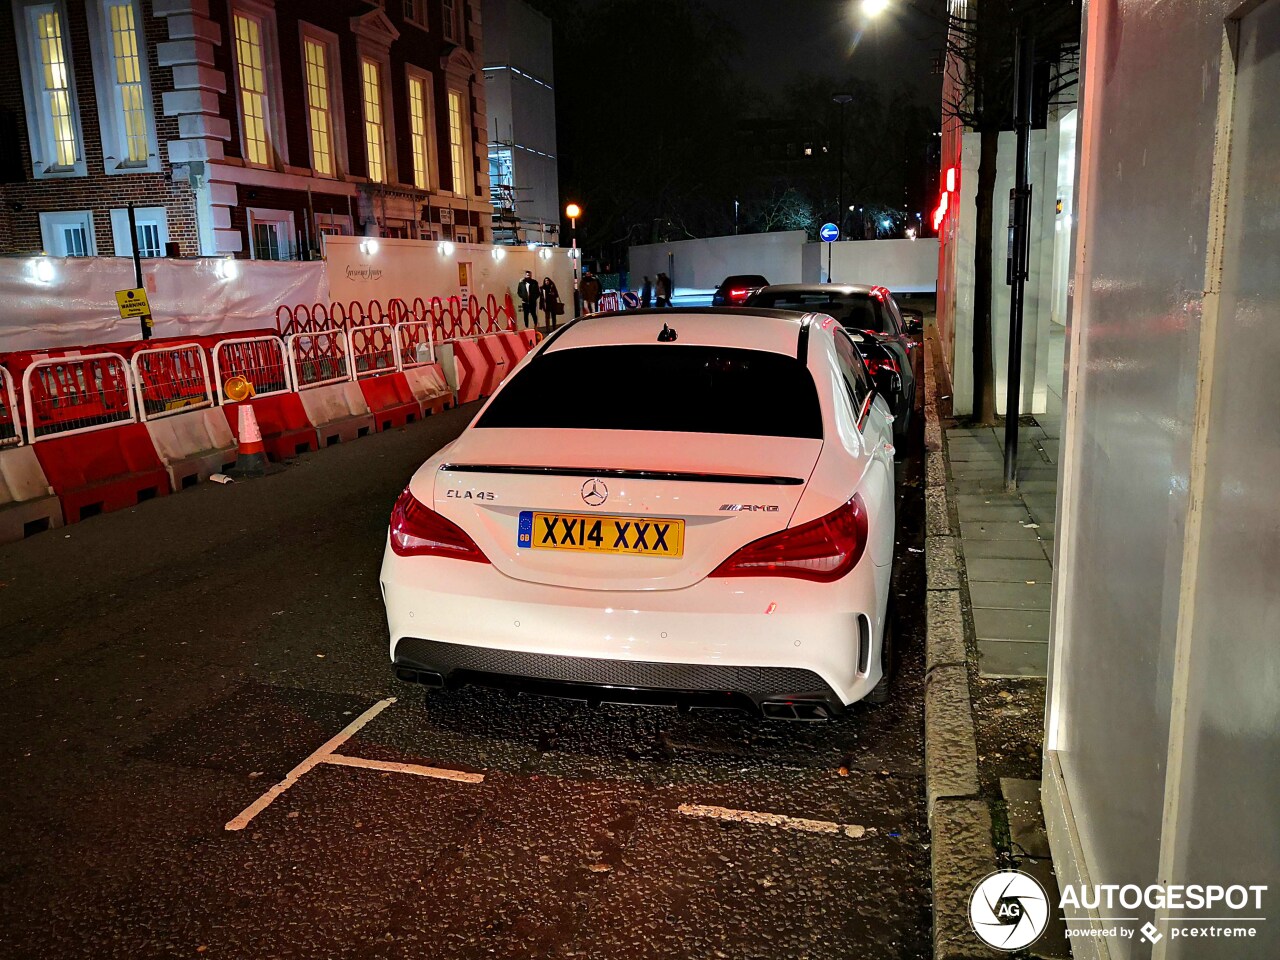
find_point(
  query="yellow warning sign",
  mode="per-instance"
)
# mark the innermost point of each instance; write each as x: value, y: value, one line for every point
x: 133, y: 303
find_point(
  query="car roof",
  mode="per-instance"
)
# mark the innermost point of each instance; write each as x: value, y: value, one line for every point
x: 822, y: 288
x: 776, y: 331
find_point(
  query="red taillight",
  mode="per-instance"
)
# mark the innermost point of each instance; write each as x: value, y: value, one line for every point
x: 881, y: 365
x: 418, y: 531
x: 824, y: 549
x: 738, y: 294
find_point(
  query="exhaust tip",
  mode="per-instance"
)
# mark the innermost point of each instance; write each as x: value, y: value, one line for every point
x: 795, y: 710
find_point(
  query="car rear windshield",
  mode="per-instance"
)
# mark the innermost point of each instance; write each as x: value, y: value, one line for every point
x: 853, y: 311
x: 745, y: 280
x: 661, y: 387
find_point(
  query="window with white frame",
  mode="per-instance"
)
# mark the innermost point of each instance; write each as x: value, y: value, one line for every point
x: 151, y: 233
x: 459, y: 142
x: 420, y: 127
x: 375, y: 134
x: 68, y: 233
x: 123, y: 86
x: 319, y: 83
x: 44, y: 60
x: 271, y: 234
x: 251, y: 76
x: 451, y: 21
x: 415, y: 12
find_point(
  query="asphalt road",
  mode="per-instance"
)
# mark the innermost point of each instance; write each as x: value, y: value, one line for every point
x: 163, y: 667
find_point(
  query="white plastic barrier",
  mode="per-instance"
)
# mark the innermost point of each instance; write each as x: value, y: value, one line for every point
x: 171, y: 379
x: 317, y: 359
x: 416, y: 343
x: 260, y: 360
x: 10, y: 428
x: 69, y: 395
x: 373, y: 349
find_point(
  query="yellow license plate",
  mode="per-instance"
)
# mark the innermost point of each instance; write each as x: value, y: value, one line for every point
x: 593, y: 533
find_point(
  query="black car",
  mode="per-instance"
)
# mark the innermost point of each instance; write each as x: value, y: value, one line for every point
x: 872, y: 316
x: 734, y: 290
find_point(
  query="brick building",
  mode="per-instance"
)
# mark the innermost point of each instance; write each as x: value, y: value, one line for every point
x: 245, y: 127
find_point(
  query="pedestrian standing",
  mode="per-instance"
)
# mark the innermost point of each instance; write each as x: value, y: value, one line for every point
x: 528, y: 292
x: 646, y: 294
x: 551, y: 305
x: 663, y: 291
x: 591, y: 290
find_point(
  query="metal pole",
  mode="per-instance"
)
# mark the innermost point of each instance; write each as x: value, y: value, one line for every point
x: 145, y: 319
x: 1019, y: 240
x: 573, y: 223
x: 840, y: 188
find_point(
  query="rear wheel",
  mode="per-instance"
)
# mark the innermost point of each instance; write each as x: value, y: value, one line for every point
x: 880, y: 693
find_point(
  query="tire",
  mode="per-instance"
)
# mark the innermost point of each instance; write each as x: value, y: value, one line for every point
x: 880, y: 693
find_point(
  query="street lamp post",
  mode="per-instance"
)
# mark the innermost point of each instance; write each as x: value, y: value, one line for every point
x: 573, y: 212
x: 841, y: 99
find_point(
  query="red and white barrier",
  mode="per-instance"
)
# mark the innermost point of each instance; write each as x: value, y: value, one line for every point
x: 170, y: 379
x: 259, y: 360
x: 317, y: 359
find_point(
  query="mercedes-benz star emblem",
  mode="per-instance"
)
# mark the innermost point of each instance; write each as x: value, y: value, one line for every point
x: 594, y: 493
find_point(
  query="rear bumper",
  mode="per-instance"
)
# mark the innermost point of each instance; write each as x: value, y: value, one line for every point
x: 788, y: 692
x: 756, y: 640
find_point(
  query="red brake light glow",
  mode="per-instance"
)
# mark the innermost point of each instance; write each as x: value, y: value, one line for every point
x: 881, y: 365
x: 739, y: 293
x: 418, y: 531
x: 822, y: 550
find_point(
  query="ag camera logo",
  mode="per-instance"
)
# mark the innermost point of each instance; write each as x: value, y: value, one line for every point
x: 1009, y: 910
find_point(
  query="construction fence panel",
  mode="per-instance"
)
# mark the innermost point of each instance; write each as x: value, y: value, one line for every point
x: 316, y: 359
x: 171, y: 379
x: 260, y: 360
x: 416, y: 343
x: 10, y: 425
x: 373, y: 349
x: 68, y: 395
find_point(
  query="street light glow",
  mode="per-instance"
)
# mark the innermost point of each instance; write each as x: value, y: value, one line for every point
x: 873, y: 8
x: 573, y: 211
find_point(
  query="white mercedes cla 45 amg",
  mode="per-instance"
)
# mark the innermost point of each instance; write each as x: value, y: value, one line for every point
x: 691, y: 508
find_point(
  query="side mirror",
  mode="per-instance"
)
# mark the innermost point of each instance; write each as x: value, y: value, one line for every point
x: 914, y: 320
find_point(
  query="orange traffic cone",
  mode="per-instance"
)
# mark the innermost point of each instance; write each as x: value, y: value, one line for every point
x: 251, y: 455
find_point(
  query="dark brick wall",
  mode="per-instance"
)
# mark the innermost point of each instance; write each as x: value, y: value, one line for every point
x: 24, y: 199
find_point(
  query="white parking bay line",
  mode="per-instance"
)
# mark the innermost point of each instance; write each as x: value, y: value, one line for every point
x: 852, y: 830
x: 417, y: 770
x: 264, y: 801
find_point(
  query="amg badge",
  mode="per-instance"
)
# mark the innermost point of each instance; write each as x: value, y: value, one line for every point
x: 742, y: 507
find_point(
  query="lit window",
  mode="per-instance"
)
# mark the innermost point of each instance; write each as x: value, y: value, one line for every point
x: 126, y: 73
x: 457, y: 142
x: 451, y: 24
x: 55, y: 87
x: 316, y: 55
x: 374, y: 141
x: 418, y: 131
x: 253, y: 89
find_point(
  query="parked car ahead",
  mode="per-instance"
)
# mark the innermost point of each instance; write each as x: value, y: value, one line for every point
x: 588, y: 538
x: 734, y: 290
x: 872, y: 316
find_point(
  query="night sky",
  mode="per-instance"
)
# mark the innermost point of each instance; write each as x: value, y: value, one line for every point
x: 783, y: 40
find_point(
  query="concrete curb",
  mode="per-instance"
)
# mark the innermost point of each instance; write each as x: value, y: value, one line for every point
x: 962, y: 851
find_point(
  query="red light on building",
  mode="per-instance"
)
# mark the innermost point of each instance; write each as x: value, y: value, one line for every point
x: 951, y: 179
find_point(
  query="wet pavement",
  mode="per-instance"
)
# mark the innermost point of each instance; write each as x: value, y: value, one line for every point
x: 163, y: 667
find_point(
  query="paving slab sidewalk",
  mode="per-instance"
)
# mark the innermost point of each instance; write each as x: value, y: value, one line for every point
x: 989, y: 566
